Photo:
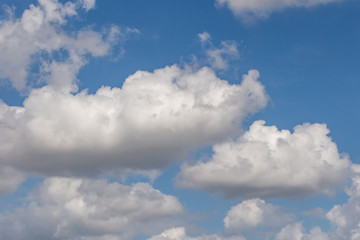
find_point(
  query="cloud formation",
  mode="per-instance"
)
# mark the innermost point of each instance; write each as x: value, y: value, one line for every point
x: 10, y: 178
x: 296, y: 232
x: 252, y: 213
x: 250, y: 10
x: 38, y: 38
x: 218, y: 57
x: 71, y: 208
x: 346, y: 217
x: 265, y: 162
x: 154, y: 119
x: 179, y: 233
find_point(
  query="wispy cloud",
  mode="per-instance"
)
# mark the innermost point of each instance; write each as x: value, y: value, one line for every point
x: 252, y: 10
x: 218, y: 57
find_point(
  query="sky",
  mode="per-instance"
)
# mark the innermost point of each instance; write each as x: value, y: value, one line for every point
x: 179, y: 120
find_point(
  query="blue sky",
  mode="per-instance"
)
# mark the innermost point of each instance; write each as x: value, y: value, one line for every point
x: 179, y: 120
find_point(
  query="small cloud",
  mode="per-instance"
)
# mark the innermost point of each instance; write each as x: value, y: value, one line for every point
x: 204, y: 37
x: 218, y: 57
x: 251, y: 10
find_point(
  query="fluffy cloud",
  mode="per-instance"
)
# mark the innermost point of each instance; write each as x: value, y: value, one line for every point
x: 241, y: 218
x: 296, y: 232
x: 346, y: 217
x: 152, y: 120
x: 252, y: 213
x: 250, y: 10
x: 69, y: 208
x: 38, y: 38
x: 180, y: 234
x: 265, y: 162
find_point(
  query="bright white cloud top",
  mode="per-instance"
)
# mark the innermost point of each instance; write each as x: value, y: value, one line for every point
x: 161, y: 143
x: 266, y: 162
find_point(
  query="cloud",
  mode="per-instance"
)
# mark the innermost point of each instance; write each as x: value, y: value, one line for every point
x: 154, y: 119
x: 72, y: 208
x: 9, y: 180
x: 179, y: 233
x: 218, y: 57
x: 296, y: 232
x: 88, y: 4
x: 250, y: 10
x: 346, y: 217
x: 252, y: 213
x: 38, y: 38
x: 265, y: 162
x: 204, y: 37
x: 240, y: 219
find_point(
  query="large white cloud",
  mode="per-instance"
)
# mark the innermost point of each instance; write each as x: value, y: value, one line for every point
x: 253, y: 213
x: 152, y: 120
x: 346, y: 217
x: 38, y: 38
x: 71, y: 208
x: 250, y: 10
x: 265, y: 162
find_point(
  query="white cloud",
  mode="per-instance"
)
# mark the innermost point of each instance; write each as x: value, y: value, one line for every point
x: 88, y: 4
x: 70, y: 208
x: 155, y: 118
x: 218, y: 57
x: 204, y: 37
x: 296, y: 232
x: 346, y: 217
x: 250, y: 10
x: 179, y: 233
x: 38, y: 35
x: 265, y: 162
x: 252, y: 213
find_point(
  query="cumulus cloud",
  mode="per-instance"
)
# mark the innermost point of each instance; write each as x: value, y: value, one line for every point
x: 239, y: 220
x: 38, y: 38
x: 250, y: 10
x: 252, y: 213
x: 180, y: 234
x: 72, y: 208
x: 218, y: 57
x: 266, y: 162
x: 346, y: 217
x: 296, y: 232
x: 152, y: 120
